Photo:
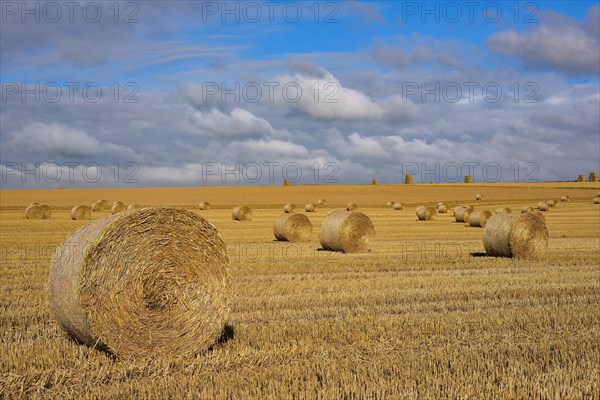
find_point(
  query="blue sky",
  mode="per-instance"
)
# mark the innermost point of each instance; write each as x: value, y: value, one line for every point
x: 385, y: 87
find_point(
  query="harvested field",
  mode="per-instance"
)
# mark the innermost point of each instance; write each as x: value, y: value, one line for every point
x: 425, y: 313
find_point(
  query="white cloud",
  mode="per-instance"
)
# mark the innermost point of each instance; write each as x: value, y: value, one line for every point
x: 325, y: 98
x: 558, y: 42
x: 63, y: 140
x: 235, y: 124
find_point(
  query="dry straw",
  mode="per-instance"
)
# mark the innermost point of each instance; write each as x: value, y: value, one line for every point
x: 479, y: 197
x: 347, y: 231
x: 390, y: 203
x: 527, y: 209
x: 150, y: 282
x: 581, y: 178
x: 543, y: 206
x: 593, y: 177
x: 310, y: 207
x: 351, y: 207
x: 204, y: 205
x: 503, y: 210
x: 100, y: 205
x: 468, y: 179
x: 241, y: 213
x: 292, y: 228
x: 34, y: 211
x: 442, y: 208
x: 551, y: 203
x: 479, y: 218
x: 81, y: 213
x: 117, y: 207
x: 46, y: 211
x: 597, y: 200
x: 408, y: 179
x: 286, y: 182
x: 398, y: 206
x: 289, y: 208
x: 375, y: 182
x: 565, y: 198
x: 321, y: 202
x: 426, y: 213
x: 523, y: 236
x: 461, y: 213
x: 133, y: 207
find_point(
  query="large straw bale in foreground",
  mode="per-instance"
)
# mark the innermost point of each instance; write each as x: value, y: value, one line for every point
x: 523, y: 236
x: 241, y: 213
x: 146, y: 282
x: 347, y: 231
x: 292, y: 228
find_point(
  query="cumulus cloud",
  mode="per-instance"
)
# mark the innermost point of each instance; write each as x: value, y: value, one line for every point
x: 416, y: 49
x: 326, y: 98
x: 237, y: 123
x: 558, y: 42
x: 62, y: 140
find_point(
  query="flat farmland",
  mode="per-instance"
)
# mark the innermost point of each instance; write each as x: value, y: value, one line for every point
x: 424, y: 315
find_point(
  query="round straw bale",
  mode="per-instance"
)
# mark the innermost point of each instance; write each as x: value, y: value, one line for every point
x: 292, y: 228
x: 289, y: 208
x: 441, y: 208
x: 593, y: 177
x: 375, y: 182
x: 479, y: 197
x: 241, y: 213
x: 523, y: 236
x: 527, y: 209
x: 286, y: 182
x: 81, y: 213
x: 390, y: 203
x: 46, y: 211
x: 408, y: 179
x: 100, y: 205
x: 551, y: 203
x: 597, y: 200
x: 503, y: 210
x: 321, y: 202
x: 133, y: 207
x: 564, y: 198
x: 461, y: 213
x: 479, y: 218
x: 468, y: 179
x: 310, y: 207
x: 398, y: 206
x: 426, y: 213
x: 351, y: 207
x: 204, y: 205
x: 117, y: 207
x: 543, y: 206
x: 34, y: 211
x: 346, y: 231
x: 440, y: 203
x: 153, y: 281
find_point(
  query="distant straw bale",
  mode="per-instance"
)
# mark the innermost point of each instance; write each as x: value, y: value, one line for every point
x: 241, y: 213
